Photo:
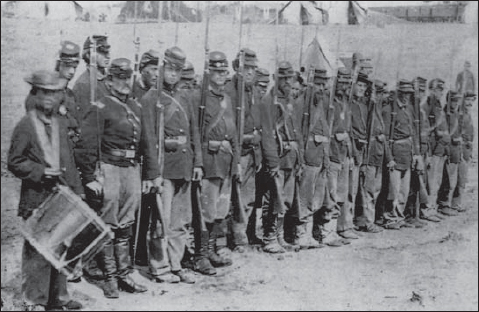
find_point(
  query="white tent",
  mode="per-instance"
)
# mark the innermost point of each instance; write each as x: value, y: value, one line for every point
x: 470, y: 13
x: 323, y: 12
x: 320, y: 56
x: 53, y: 10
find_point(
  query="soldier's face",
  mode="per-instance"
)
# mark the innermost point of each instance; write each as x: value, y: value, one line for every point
x: 67, y: 70
x: 218, y: 77
x: 103, y: 59
x: 121, y: 85
x: 149, y: 74
x: 359, y: 88
x: 262, y: 88
x: 295, y: 89
x: 249, y: 74
x: 47, y: 101
x: 185, y: 84
x: 171, y: 74
x: 285, y: 83
x: 438, y: 93
x: 468, y: 104
x: 319, y: 87
x: 343, y: 86
x: 454, y: 103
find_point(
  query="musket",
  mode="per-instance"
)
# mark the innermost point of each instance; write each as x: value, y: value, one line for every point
x: 309, y: 96
x: 198, y: 223
x: 372, y: 110
x: 137, y: 62
x: 332, y: 92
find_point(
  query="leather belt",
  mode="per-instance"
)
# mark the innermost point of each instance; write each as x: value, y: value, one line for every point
x: 130, y: 154
x: 404, y: 140
x: 181, y: 139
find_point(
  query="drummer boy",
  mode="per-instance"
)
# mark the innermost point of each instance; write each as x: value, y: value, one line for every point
x: 40, y: 154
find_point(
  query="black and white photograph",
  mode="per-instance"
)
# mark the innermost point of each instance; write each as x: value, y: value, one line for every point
x: 239, y: 155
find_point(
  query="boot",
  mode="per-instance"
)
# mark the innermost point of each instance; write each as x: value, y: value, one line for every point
x: 215, y: 259
x: 202, y: 262
x: 305, y: 238
x: 107, y: 263
x: 270, y: 234
x: 123, y: 263
x: 281, y: 241
x: 251, y: 230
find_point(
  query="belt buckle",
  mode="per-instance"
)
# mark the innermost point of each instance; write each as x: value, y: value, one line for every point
x: 130, y: 154
x: 182, y: 139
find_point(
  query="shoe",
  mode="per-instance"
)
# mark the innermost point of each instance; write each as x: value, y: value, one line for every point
x: 448, y: 211
x: 287, y: 246
x: 416, y: 223
x: 255, y: 241
x: 431, y: 218
x: 110, y: 288
x: 371, y: 228
x: 126, y: 283
x: 184, y: 277
x: 392, y: 225
x: 345, y: 241
x: 308, y: 243
x: 349, y: 234
x: 203, y: 266
x: 167, y: 277
x: 75, y: 280
x: 333, y: 243
x: 71, y: 305
x: 239, y: 249
x: 273, y: 248
x: 34, y: 307
x: 404, y: 224
x: 459, y: 209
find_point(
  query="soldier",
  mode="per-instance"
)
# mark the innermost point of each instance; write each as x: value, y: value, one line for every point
x: 187, y: 77
x: 404, y: 155
x: 370, y: 174
x: 359, y: 114
x: 439, y: 142
x: 465, y: 81
x: 182, y: 164
x: 312, y: 185
x: 461, y: 153
x: 149, y: 74
x: 418, y: 180
x: 251, y: 156
x: 282, y: 151
x: 219, y: 145
x: 81, y: 89
x: 455, y: 118
x: 40, y: 154
x: 66, y: 65
x: 262, y: 81
x: 116, y: 132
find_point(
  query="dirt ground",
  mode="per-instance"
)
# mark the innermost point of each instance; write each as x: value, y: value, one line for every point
x: 433, y: 268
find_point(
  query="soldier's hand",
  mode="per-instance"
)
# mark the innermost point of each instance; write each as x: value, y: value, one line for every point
x: 157, y: 185
x: 147, y: 186
x: 418, y: 162
x: 351, y: 163
x: 197, y: 174
x: 273, y: 172
x: 52, y: 173
x: 239, y: 174
x: 391, y: 165
x: 96, y: 187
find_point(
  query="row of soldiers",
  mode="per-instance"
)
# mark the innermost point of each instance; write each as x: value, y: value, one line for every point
x: 325, y: 158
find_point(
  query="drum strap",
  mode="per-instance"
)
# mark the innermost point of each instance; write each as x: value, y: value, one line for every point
x: 50, y: 145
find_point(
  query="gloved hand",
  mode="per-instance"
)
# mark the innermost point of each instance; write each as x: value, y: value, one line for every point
x: 147, y: 186
x: 197, y: 174
x: 96, y: 187
x: 418, y: 162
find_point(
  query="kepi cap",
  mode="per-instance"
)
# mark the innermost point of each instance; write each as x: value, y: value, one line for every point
x: 175, y: 57
x: 121, y: 68
x: 218, y: 61
x: 405, y: 86
x: 69, y: 52
x: 101, y: 43
x: 188, y: 72
x: 285, y: 70
x: 250, y: 58
x: 262, y: 76
x: 150, y: 57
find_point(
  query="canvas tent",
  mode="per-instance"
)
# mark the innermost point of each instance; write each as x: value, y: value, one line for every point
x: 320, y: 56
x: 53, y: 10
x: 322, y: 12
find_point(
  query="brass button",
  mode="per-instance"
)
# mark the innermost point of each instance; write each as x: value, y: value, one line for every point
x: 183, y: 150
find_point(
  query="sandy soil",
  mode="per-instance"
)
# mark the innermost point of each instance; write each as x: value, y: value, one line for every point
x: 434, y: 268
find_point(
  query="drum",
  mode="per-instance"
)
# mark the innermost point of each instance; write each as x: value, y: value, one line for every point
x: 66, y: 231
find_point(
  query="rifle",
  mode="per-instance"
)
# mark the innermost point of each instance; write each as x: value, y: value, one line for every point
x: 137, y: 61
x: 308, y: 101
x: 199, y: 224
x: 372, y: 111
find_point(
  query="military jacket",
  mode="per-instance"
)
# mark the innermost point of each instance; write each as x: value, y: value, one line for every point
x: 81, y: 89
x: 440, y: 138
x: 219, y: 157
x: 455, y: 121
x: 316, y: 143
x: 26, y: 160
x: 125, y: 133
x: 285, y: 127
x: 403, y: 142
x: 252, y: 119
x: 377, y: 141
x: 359, y: 119
x: 182, y: 146
x: 139, y: 89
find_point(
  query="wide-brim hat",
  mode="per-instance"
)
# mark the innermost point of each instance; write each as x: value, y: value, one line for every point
x: 45, y: 79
